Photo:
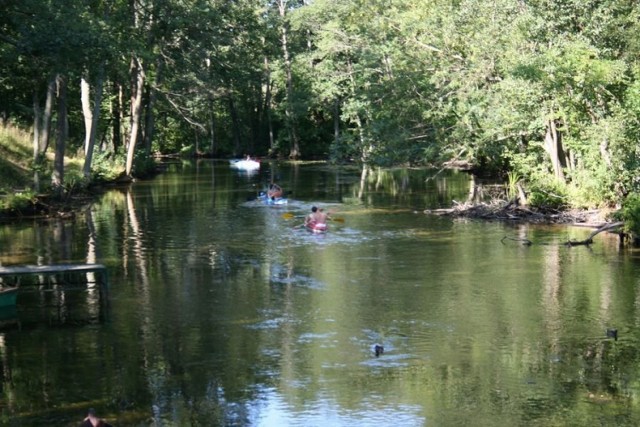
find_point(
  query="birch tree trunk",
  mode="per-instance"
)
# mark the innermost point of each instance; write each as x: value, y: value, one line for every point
x: 553, y: 147
x: 136, y: 108
x: 294, y: 152
x: 267, y: 104
x: 87, y: 113
x: 90, y: 140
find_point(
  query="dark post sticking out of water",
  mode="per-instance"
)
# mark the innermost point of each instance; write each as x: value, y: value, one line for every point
x: 378, y: 349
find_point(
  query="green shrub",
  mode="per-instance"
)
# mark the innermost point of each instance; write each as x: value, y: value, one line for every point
x: 187, y: 150
x: 630, y: 214
x: 143, y: 166
x: 17, y: 202
x: 106, y: 167
x: 548, y: 196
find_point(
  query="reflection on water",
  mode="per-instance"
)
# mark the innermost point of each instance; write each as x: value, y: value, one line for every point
x: 224, y: 311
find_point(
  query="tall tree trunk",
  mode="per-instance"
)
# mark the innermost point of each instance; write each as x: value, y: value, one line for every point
x: 37, y: 125
x: 116, y: 113
x: 267, y: 105
x: 256, y: 114
x: 212, y: 129
x: 336, y: 121
x: 553, y: 147
x: 236, y: 126
x: 87, y: 112
x: 61, y: 138
x: 37, y: 129
x: 363, y: 180
x: 136, y: 109
x: 150, y: 117
x: 294, y: 151
x: 93, y: 126
x: 365, y: 149
x: 48, y: 114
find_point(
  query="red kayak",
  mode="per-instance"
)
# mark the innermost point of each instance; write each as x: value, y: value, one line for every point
x: 316, y: 227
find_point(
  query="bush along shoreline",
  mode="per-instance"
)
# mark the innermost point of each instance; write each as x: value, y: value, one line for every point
x: 624, y: 222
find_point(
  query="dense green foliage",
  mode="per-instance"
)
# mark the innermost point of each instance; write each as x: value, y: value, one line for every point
x: 630, y: 214
x: 545, y: 90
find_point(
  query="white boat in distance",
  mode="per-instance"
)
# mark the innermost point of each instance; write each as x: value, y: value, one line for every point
x: 245, y: 164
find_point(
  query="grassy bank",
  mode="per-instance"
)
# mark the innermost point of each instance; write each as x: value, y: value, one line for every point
x: 17, y: 194
x: 15, y: 160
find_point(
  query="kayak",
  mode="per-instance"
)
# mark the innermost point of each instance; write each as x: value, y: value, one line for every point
x: 272, y: 200
x: 246, y: 165
x: 317, y: 228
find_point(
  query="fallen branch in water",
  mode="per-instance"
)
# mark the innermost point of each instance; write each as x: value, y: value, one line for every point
x: 525, y: 242
x: 589, y: 240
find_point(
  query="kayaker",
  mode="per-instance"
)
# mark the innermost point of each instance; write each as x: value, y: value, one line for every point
x: 274, y: 192
x: 317, y: 216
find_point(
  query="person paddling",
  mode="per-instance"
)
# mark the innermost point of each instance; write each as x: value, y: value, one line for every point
x: 274, y: 192
x: 316, y: 220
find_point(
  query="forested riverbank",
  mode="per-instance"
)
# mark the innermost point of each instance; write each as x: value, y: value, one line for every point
x: 544, y: 95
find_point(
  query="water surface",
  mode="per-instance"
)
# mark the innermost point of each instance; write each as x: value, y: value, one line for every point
x: 224, y: 312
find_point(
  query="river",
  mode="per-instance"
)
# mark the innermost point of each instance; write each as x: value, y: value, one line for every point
x: 223, y: 311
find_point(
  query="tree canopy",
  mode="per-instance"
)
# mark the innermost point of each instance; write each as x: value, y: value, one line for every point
x: 542, y: 90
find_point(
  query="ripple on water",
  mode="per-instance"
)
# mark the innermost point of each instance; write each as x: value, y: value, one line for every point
x: 327, y: 340
x: 399, y: 350
x: 273, y: 409
x: 296, y: 279
x: 299, y: 236
x: 269, y: 323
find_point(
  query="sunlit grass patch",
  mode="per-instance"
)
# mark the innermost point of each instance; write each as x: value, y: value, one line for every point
x: 15, y: 155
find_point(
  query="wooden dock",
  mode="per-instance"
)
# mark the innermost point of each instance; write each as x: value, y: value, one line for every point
x: 17, y: 271
x: 52, y: 275
x: 55, y: 285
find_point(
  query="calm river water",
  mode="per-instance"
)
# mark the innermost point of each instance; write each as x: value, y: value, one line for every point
x: 222, y: 311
